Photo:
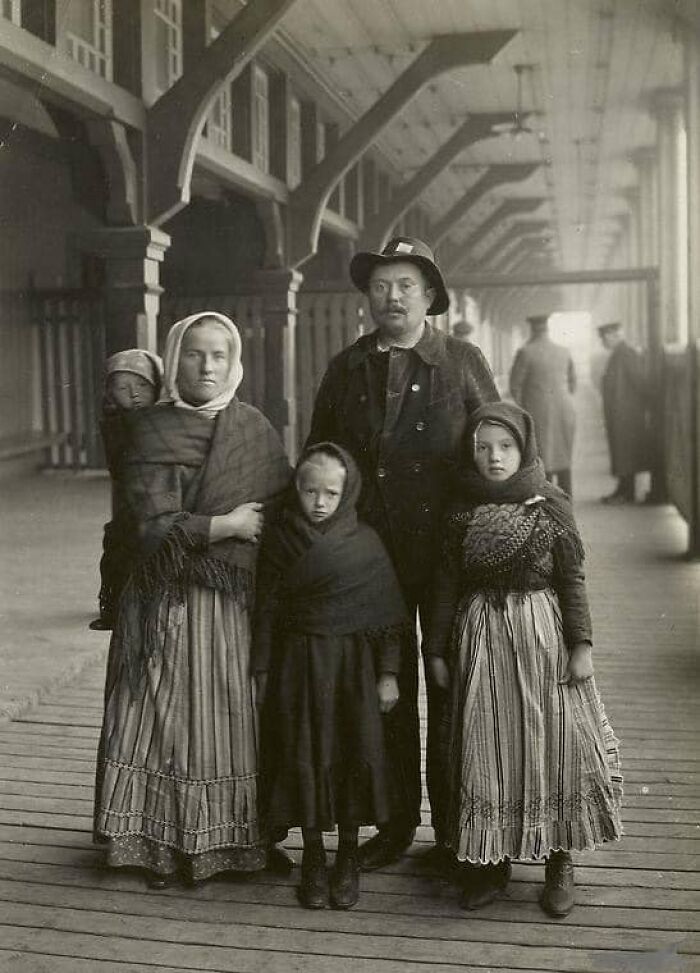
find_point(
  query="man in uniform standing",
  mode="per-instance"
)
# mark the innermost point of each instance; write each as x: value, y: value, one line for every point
x: 543, y: 382
x: 624, y: 409
x: 398, y: 400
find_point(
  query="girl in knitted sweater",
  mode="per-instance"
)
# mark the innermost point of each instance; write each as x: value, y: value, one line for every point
x: 533, y: 763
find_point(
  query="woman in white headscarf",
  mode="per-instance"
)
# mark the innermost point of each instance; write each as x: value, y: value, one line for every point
x: 177, y: 773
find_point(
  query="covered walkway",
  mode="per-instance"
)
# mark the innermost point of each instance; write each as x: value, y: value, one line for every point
x: 639, y: 901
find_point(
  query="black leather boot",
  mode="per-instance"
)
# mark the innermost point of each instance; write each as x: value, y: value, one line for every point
x: 558, y: 898
x: 313, y: 890
x: 345, y: 879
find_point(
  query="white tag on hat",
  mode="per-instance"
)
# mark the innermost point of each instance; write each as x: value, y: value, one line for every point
x: 403, y: 248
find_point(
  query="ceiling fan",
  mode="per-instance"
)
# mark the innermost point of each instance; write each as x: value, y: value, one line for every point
x: 518, y: 126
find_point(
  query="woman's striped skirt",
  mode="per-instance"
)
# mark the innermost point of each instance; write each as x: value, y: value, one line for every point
x: 534, y: 763
x: 177, y: 775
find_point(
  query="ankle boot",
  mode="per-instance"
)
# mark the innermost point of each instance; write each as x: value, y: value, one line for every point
x: 345, y: 886
x: 557, y: 897
x: 313, y: 890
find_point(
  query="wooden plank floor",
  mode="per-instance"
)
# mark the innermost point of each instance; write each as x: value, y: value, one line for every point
x: 639, y: 900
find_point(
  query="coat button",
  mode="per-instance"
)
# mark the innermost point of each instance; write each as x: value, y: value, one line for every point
x: 426, y: 508
x: 417, y: 467
x: 363, y: 398
x: 415, y: 387
x: 420, y: 426
x: 381, y: 472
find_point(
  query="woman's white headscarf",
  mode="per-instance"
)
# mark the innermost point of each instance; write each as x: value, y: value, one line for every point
x: 171, y: 363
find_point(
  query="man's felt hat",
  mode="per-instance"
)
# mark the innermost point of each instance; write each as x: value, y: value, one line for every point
x: 604, y: 329
x: 402, y: 248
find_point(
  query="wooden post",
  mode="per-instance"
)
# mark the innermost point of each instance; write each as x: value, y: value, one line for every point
x: 132, y: 256
x: 278, y: 291
x: 692, y: 115
x: 658, y: 491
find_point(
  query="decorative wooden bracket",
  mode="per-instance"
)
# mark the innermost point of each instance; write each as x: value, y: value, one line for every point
x: 521, y: 253
x: 479, y: 126
x: 308, y: 200
x: 508, y: 208
x: 270, y: 213
x: 494, y: 176
x: 528, y: 228
x: 174, y: 122
x: 109, y: 138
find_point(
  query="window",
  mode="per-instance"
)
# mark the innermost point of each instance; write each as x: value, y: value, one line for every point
x: 219, y: 120
x: 89, y: 35
x: 168, y: 39
x: 12, y: 10
x: 261, y: 123
x: 294, y: 136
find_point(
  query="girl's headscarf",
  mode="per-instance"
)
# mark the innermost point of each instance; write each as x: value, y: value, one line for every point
x: 139, y: 362
x: 528, y: 482
x: 171, y: 358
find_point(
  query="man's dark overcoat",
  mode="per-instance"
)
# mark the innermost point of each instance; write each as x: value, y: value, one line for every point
x: 401, y: 413
x: 624, y: 408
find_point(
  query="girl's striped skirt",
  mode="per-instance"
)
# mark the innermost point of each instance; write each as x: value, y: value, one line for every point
x: 534, y: 763
x: 177, y: 775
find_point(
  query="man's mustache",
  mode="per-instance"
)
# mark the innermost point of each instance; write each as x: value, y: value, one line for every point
x: 395, y: 309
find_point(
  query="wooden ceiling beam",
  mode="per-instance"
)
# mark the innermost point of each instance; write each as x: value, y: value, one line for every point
x: 478, y: 126
x: 612, y: 275
x: 508, y: 208
x: 174, y: 121
x: 442, y: 54
x: 497, y: 175
x: 528, y: 228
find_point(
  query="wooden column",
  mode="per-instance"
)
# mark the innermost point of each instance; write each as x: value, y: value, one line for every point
x: 692, y: 114
x: 132, y: 257
x: 278, y: 290
x: 668, y: 110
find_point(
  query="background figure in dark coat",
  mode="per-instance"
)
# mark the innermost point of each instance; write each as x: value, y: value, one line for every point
x: 624, y: 389
x: 398, y: 400
x: 543, y: 382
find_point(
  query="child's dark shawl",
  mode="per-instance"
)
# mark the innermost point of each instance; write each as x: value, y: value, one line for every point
x: 334, y: 578
x: 241, y: 459
x: 501, y: 545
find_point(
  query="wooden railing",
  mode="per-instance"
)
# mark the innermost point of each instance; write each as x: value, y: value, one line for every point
x: 71, y: 339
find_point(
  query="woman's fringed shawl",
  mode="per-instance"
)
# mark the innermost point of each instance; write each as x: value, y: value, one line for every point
x: 499, y: 531
x: 241, y: 459
x: 332, y: 578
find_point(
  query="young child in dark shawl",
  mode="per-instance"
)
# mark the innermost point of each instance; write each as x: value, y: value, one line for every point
x: 329, y: 623
x: 533, y: 763
x: 132, y: 381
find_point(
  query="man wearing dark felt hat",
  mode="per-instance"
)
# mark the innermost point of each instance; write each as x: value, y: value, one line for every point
x: 398, y: 400
x: 624, y: 388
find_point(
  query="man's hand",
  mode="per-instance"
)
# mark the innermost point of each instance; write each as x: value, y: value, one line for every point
x: 580, y: 665
x: 388, y: 692
x: 438, y: 672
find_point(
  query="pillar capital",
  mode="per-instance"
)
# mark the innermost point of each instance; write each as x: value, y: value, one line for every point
x: 132, y: 256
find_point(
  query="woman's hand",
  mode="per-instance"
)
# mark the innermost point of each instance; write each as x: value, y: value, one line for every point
x: 388, y: 691
x: 580, y: 665
x: 438, y: 672
x: 244, y: 522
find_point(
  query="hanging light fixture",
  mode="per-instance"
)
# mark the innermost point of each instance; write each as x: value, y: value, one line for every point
x: 518, y: 126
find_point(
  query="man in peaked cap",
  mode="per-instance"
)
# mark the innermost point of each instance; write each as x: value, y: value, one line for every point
x: 624, y: 389
x: 543, y: 382
x: 398, y: 400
